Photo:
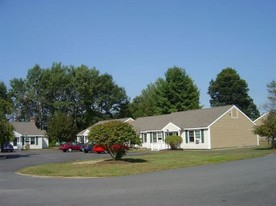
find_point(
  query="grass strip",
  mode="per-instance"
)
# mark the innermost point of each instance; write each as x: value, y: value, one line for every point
x: 154, y: 161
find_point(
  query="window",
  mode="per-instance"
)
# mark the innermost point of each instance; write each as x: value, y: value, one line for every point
x: 160, y: 136
x: 15, y: 142
x: 191, y: 136
x: 154, y: 137
x: 144, y: 137
x: 196, y: 136
x: 32, y: 140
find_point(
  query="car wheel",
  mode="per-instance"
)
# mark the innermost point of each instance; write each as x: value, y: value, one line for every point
x: 70, y: 150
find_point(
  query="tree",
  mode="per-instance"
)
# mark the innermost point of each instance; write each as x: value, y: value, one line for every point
x: 145, y: 104
x: 174, y: 141
x: 268, y: 129
x: 6, y: 129
x: 229, y: 89
x: 115, y: 137
x: 81, y: 92
x: 180, y: 91
x: 271, y: 103
x: 19, y: 98
x: 61, y: 128
x: 176, y: 92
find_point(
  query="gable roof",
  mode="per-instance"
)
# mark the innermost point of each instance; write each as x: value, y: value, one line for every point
x: 187, y: 119
x: 27, y: 128
x: 128, y: 119
x: 260, y: 119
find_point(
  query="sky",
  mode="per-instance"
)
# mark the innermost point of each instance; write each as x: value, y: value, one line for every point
x: 137, y: 41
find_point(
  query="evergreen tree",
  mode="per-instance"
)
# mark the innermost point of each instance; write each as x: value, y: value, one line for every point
x: 176, y: 92
x: 229, y: 89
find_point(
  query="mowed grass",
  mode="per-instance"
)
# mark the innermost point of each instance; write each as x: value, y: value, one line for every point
x: 151, y: 162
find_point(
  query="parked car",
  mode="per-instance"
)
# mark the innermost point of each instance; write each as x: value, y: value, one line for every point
x: 89, y: 147
x: 7, y: 147
x: 98, y: 149
x: 70, y: 146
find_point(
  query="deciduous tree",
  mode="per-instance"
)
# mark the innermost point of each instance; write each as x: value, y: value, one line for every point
x: 270, y: 105
x: 6, y: 129
x: 268, y: 129
x: 81, y: 92
x: 115, y: 137
x: 61, y: 128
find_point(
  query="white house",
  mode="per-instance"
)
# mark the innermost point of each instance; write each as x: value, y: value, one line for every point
x: 28, y: 133
x: 82, y: 136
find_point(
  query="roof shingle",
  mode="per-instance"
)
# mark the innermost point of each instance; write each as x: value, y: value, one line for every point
x: 27, y: 128
x: 187, y: 119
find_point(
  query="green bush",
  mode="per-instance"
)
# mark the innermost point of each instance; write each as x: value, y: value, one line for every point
x: 174, y: 141
x: 116, y: 137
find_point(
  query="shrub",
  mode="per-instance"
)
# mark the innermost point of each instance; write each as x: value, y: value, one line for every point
x: 115, y: 137
x: 27, y: 146
x: 174, y: 141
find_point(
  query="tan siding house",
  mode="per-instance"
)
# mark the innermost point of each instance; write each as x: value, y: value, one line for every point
x: 217, y: 127
x: 259, y: 121
x: 233, y: 129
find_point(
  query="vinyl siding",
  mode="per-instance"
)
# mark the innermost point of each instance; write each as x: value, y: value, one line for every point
x: 233, y: 129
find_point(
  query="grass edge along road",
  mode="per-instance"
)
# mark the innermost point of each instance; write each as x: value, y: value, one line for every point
x: 151, y: 162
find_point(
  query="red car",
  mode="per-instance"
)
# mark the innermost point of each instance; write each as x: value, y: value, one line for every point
x: 70, y: 146
x: 99, y: 149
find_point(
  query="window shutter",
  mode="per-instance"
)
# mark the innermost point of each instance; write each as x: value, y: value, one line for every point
x: 202, y: 136
x: 186, y: 135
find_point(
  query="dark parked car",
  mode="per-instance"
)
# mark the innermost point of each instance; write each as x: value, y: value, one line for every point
x: 90, y: 147
x: 7, y: 147
x: 87, y: 147
x: 70, y: 146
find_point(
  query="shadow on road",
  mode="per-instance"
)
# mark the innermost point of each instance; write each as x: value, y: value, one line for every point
x: 14, y: 156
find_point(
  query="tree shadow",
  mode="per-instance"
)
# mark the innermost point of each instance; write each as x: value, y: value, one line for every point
x: 264, y: 148
x: 126, y: 160
x: 14, y: 155
x: 134, y: 160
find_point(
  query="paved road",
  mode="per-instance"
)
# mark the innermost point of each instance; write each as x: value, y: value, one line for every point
x: 247, y: 182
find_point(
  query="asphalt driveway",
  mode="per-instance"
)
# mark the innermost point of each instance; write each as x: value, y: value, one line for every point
x: 247, y: 182
x: 13, y: 161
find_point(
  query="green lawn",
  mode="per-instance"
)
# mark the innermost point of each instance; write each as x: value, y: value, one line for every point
x: 153, y: 161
